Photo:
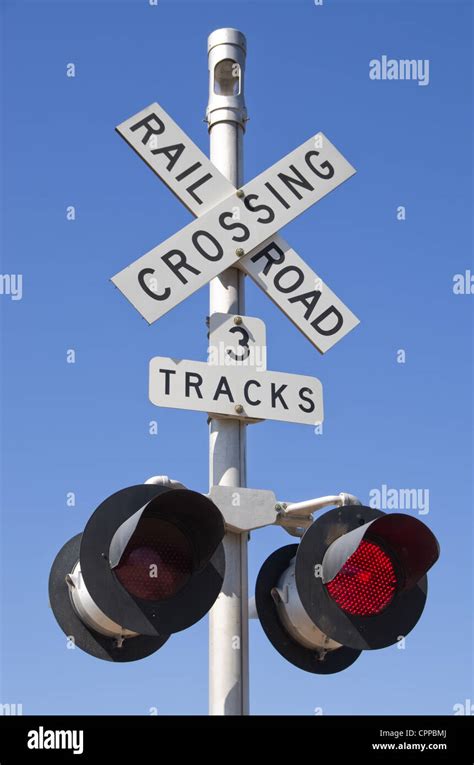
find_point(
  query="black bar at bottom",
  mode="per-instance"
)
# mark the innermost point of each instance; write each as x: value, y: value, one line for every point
x: 85, y: 739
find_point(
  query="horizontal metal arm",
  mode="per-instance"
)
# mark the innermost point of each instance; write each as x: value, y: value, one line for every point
x: 309, y: 506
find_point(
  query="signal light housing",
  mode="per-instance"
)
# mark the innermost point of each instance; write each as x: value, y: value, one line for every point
x: 356, y: 581
x: 149, y: 563
x: 286, y: 623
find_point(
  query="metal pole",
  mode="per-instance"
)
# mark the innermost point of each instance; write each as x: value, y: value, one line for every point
x: 228, y: 619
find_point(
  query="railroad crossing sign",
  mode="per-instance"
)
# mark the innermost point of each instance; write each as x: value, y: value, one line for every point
x: 235, y: 228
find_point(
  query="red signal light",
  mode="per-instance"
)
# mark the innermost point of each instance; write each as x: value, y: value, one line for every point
x: 157, y: 561
x: 366, y: 583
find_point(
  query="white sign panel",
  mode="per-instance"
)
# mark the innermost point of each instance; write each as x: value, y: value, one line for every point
x: 300, y: 293
x: 237, y: 341
x: 235, y: 391
x: 190, y: 174
x: 186, y: 261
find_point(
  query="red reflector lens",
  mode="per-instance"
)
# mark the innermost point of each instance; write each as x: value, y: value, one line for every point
x: 157, y: 561
x: 366, y: 583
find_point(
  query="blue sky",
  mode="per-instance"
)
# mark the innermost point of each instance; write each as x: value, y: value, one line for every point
x: 83, y: 427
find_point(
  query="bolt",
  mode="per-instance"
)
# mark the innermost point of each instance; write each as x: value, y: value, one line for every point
x: 275, y: 595
x: 237, y: 320
x: 239, y: 408
x: 278, y: 507
x: 239, y: 252
x: 69, y: 580
x: 240, y: 193
x: 103, y: 555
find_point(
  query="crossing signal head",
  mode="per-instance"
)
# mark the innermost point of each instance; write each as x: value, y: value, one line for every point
x: 357, y: 581
x: 149, y: 563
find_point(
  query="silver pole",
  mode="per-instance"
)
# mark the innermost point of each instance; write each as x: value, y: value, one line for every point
x: 228, y: 619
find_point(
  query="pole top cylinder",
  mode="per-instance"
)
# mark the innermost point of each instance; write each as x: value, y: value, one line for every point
x: 226, y: 54
x: 226, y: 36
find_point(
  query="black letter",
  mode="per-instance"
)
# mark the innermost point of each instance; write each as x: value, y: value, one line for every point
x: 223, y: 388
x: 230, y: 227
x: 196, y: 185
x: 195, y: 239
x: 287, y: 270
x: 325, y: 165
x: 145, y: 122
x: 278, y: 196
x: 305, y: 299
x: 176, y: 267
x: 271, y: 261
x: 312, y: 405
x: 196, y: 384
x: 299, y: 181
x: 257, y: 208
x: 323, y: 316
x: 172, y: 152
x: 277, y: 394
x: 144, y: 286
x: 246, y: 392
x: 188, y: 171
x: 167, y: 373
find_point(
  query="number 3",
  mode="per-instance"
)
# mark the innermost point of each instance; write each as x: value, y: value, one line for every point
x: 243, y: 343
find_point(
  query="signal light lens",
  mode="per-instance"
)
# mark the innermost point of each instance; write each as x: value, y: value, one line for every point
x: 366, y: 583
x: 157, y: 561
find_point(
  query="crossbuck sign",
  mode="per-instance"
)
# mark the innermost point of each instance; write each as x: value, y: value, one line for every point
x: 235, y: 227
